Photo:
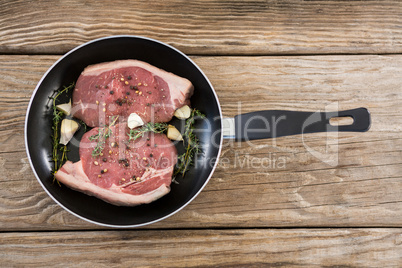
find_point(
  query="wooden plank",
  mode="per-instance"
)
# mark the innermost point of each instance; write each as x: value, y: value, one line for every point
x: 207, y: 26
x: 188, y: 248
x: 248, y: 189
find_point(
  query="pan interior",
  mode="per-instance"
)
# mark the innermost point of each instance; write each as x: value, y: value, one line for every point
x: 66, y: 71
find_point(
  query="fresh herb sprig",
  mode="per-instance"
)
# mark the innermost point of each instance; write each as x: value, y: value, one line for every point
x: 59, y: 152
x: 148, y: 127
x: 103, y: 134
x: 191, y: 144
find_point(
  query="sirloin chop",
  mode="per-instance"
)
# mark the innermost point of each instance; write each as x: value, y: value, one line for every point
x: 127, y: 173
x: 128, y: 86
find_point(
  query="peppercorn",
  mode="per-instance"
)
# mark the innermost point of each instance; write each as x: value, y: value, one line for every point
x: 114, y: 144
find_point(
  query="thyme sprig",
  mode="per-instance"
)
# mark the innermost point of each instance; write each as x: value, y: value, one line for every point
x: 59, y: 152
x: 103, y: 134
x: 148, y: 127
x: 191, y: 144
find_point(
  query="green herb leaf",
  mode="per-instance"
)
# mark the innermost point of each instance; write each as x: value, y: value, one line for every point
x: 148, y: 127
x: 59, y: 152
x: 191, y: 144
x: 103, y: 134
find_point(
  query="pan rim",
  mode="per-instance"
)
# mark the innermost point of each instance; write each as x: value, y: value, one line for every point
x: 37, y: 88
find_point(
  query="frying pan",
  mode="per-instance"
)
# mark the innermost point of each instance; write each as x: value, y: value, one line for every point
x: 255, y: 125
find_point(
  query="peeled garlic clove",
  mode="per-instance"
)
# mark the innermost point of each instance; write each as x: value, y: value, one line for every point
x: 183, y: 112
x: 65, y: 107
x: 174, y: 134
x: 68, y: 128
x: 134, y: 120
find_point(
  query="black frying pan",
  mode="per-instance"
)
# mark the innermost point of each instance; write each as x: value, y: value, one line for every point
x: 67, y: 69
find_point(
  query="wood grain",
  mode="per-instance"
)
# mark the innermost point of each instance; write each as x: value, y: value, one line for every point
x: 205, y: 248
x: 248, y: 189
x: 207, y: 27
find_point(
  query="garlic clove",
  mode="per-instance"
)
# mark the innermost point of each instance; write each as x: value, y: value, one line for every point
x: 134, y: 120
x: 183, y: 112
x: 174, y: 134
x: 65, y: 107
x: 68, y: 128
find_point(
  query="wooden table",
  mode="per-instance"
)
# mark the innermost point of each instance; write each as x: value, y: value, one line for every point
x: 291, y: 55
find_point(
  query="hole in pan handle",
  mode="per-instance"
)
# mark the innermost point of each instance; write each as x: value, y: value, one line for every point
x: 278, y: 123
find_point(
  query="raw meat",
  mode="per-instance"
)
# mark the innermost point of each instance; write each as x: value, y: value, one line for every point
x: 128, y: 86
x: 127, y: 172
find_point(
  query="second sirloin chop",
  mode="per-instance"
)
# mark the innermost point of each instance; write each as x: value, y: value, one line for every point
x: 128, y: 86
x: 126, y: 173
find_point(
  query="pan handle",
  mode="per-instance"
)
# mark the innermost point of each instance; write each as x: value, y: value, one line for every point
x: 278, y: 123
